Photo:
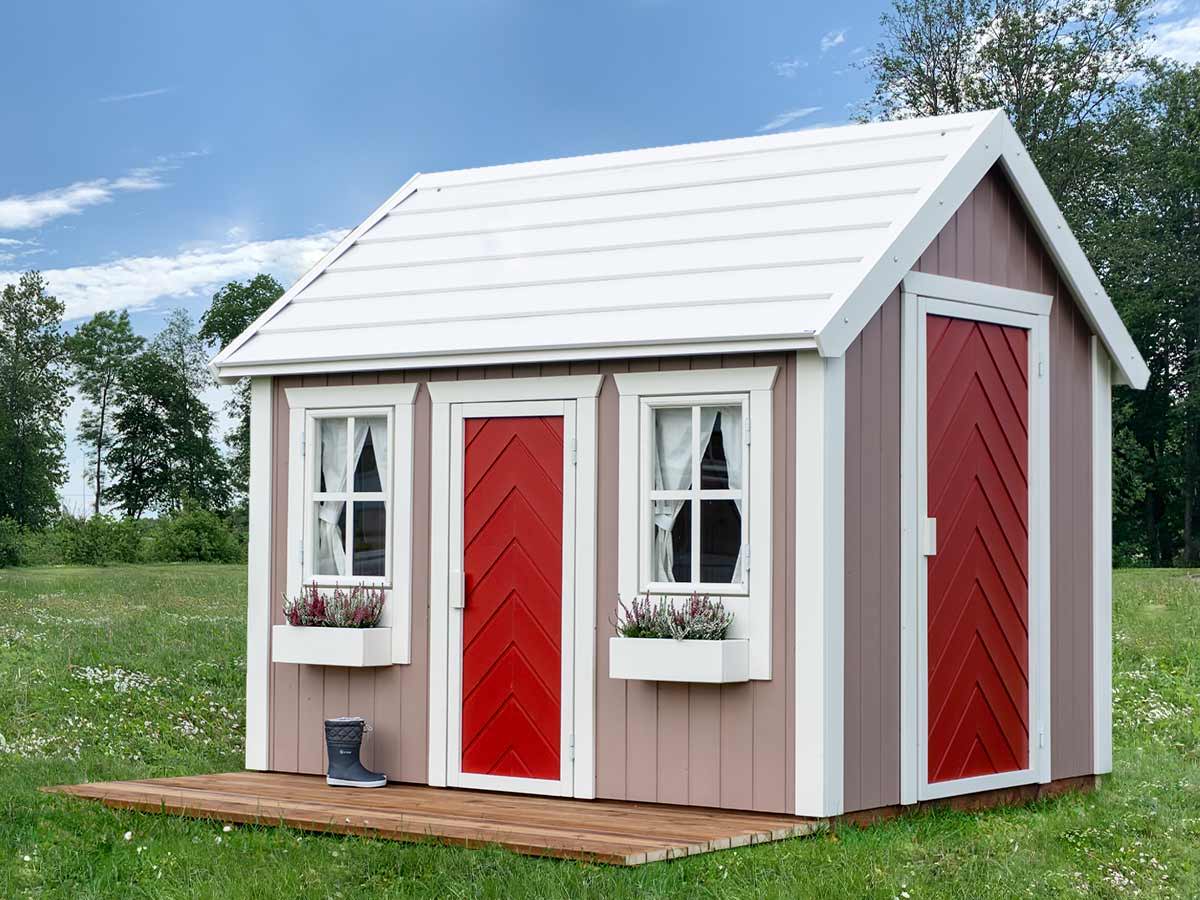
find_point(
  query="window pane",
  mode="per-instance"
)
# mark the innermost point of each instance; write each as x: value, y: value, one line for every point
x: 721, y: 462
x: 672, y: 549
x: 370, y: 533
x: 370, y: 454
x: 329, y: 535
x: 720, y: 541
x: 673, y: 448
x: 331, y: 476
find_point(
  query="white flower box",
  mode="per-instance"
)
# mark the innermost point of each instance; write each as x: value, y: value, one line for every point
x: 665, y: 659
x: 319, y: 646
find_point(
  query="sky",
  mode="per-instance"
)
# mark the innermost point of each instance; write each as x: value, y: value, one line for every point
x: 155, y: 151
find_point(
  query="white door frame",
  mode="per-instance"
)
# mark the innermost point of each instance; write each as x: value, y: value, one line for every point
x: 925, y: 295
x: 574, y: 398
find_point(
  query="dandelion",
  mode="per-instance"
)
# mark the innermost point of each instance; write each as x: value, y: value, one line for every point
x: 26, y: 857
x: 129, y: 835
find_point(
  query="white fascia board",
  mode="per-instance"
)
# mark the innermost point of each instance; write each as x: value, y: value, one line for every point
x: 232, y: 373
x: 1072, y: 263
x: 937, y: 203
x: 221, y: 359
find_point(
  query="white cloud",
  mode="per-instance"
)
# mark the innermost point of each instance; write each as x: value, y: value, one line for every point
x: 1178, y: 40
x: 139, y: 281
x: 787, y: 118
x: 31, y: 210
x: 139, y: 95
x: 833, y: 39
x: 789, y: 68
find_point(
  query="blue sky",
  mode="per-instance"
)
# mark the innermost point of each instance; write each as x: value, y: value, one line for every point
x: 154, y: 151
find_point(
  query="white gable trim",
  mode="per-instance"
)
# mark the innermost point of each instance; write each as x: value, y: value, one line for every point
x: 997, y: 141
x: 408, y: 188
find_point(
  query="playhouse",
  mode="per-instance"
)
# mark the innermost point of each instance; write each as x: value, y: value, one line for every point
x: 854, y: 382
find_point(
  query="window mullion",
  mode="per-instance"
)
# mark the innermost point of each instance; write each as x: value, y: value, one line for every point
x: 695, y: 500
x: 349, y: 535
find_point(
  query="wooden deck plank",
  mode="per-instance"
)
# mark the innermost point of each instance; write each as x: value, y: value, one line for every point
x: 611, y: 832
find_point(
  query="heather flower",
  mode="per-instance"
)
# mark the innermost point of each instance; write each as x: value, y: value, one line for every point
x: 359, y: 607
x: 696, y: 618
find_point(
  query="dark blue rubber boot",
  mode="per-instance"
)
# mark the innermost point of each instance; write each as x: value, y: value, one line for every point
x: 343, y: 738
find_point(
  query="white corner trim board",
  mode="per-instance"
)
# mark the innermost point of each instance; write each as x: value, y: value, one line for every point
x: 751, y: 605
x: 396, y: 401
x: 258, y: 580
x: 1101, y: 558
x: 820, y: 556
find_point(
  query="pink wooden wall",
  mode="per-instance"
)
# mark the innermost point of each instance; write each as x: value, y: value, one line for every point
x: 708, y: 745
x: 989, y: 239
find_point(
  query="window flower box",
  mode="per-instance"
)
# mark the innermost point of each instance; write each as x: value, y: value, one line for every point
x: 317, y: 645
x: 667, y: 659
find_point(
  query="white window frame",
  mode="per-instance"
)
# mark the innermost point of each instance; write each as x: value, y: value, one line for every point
x: 307, y: 406
x: 641, y: 393
x: 695, y: 494
x: 349, y: 496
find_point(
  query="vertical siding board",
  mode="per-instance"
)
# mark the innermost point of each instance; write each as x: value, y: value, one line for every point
x: 285, y: 678
x: 704, y: 745
x: 871, y: 536
x: 610, y: 692
x: 789, y: 618
x: 770, y: 697
x: 671, y: 748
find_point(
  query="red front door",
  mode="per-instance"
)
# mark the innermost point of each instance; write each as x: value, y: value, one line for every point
x: 977, y: 390
x: 512, y: 622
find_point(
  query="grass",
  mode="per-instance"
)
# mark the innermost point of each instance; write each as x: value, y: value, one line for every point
x: 137, y: 672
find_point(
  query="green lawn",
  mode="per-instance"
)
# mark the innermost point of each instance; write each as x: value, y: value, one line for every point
x: 137, y: 672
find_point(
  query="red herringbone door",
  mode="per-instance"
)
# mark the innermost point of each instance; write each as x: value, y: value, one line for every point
x: 512, y: 621
x: 977, y: 389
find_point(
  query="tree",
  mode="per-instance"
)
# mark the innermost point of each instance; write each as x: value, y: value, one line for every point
x: 234, y: 307
x: 34, y: 396
x: 141, y: 455
x: 198, y: 470
x: 99, y: 350
x: 1056, y: 68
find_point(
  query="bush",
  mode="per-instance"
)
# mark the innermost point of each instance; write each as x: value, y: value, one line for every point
x: 12, y: 543
x: 195, y: 535
x: 101, y: 540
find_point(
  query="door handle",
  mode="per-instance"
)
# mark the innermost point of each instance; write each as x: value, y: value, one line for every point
x: 929, y: 537
x: 458, y: 593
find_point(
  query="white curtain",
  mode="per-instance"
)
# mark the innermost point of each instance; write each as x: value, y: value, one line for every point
x: 378, y: 431
x: 731, y: 438
x: 673, y: 472
x: 331, y: 545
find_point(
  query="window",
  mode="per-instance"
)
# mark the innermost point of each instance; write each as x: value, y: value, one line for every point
x: 696, y: 501
x: 695, y: 480
x: 349, y: 498
x: 350, y: 462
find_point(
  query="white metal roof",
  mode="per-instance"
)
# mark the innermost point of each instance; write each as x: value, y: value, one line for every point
x: 780, y: 240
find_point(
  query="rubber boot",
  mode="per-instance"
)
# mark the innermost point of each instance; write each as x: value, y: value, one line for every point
x: 343, y: 738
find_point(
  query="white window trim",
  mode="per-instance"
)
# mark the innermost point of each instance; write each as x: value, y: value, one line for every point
x: 358, y: 399
x: 914, y: 784
x: 752, y: 609
x: 449, y: 400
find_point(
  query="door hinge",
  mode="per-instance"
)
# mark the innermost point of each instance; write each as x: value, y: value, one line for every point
x: 747, y: 432
x: 929, y: 537
x: 302, y: 552
x: 1041, y: 367
x: 1041, y: 738
x: 571, y: 748
x: 574, y: 452
x: 746, y: 558
x: 303, y: 441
